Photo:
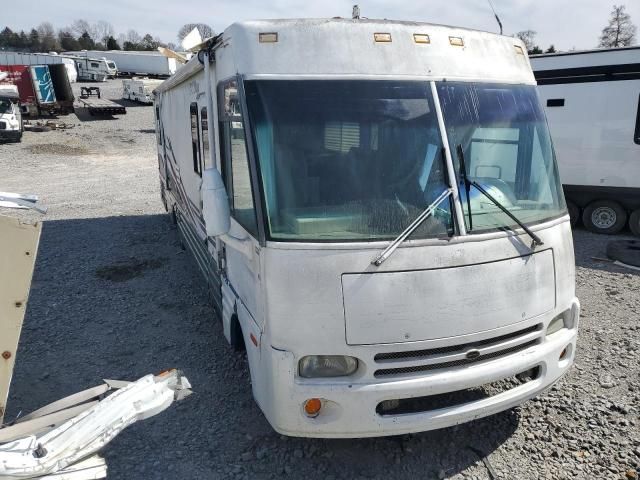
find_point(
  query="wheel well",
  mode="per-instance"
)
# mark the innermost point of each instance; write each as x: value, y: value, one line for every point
x: 237, y: 338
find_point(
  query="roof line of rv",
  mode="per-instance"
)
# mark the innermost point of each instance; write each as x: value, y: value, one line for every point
x: 582, y: 52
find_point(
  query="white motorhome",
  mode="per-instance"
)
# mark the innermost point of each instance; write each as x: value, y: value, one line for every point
x: 139, y: 89
x: 95, y: 69
x: 386, y: 233
x: 10, y: 115
x: 592, y: 102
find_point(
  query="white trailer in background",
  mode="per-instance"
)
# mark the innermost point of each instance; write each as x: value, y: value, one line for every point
x: 137, y: 63
x: 139, y: 89
x: 94, y: 69
x: 18, y: 58
x: 382, y: 250
x: 592, y: 101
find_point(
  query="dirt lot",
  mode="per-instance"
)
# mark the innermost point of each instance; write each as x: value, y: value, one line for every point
x: 114, y: 296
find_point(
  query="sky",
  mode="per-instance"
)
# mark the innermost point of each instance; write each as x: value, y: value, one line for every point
x: 567, y: 24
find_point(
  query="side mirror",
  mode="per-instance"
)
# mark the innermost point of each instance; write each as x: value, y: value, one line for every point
x: 215, y: 203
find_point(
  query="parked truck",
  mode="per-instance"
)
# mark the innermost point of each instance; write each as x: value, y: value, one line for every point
x: 35, y: 87
x: 43, y: 89
x: 18, y: 58
x: 151, y: 64
x: 139, y: 89
x: 386, y: 234
x: 10, y: 115
x: 592, y: 102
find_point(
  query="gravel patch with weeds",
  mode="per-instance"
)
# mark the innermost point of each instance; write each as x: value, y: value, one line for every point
x: 115, y: 296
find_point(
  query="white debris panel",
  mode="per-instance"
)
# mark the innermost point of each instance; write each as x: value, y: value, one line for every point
x: 49, y: 444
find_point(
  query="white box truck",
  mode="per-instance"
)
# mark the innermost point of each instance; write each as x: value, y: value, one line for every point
x: 384, y: 229
x: 592, y: 101
x: 139, y: 89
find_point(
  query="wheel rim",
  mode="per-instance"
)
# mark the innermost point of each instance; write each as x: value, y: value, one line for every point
x: 604, y: 217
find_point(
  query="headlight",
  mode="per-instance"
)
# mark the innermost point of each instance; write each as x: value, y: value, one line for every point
x: 559, y: 322
x: 314, y: 366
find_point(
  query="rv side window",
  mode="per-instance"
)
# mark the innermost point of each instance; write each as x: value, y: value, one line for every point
x: 636, y: 137
x: 95, y: 65
x: 195, y: 138
x: 204, y: 129
x: 236, y: 164
x: 158, y: 127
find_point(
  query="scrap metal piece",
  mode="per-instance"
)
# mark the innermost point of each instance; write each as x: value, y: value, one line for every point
x: 18, y: 200
x: 18, y: 249
x: 86, y: 433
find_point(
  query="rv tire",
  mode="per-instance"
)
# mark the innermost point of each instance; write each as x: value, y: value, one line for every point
x: 574, y: 213
x: 604, y: 216
x: 634, y: 222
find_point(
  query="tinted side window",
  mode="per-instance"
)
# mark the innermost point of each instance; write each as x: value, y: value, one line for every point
x: 195, y: 138
x: 236, y: 164
x: 204, y: 130
x: 636, y: 136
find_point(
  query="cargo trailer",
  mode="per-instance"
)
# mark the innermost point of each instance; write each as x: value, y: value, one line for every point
x: 592, y: 101
x: 383, y: 251
x: 18, y: 58
x: 35, y: 86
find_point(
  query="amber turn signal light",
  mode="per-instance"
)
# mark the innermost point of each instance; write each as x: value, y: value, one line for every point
x: 312, y: 407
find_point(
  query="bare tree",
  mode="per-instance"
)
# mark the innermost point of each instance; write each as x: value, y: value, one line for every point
x: 133, y: 37
x: 79, y: 26
x: 103, y: 30
x: 47, y: 37
x: 621, y: 32
x: 205, y: 30
x: 528, y: 37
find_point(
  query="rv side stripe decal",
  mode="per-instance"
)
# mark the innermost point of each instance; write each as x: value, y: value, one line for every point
x: 601, y: 73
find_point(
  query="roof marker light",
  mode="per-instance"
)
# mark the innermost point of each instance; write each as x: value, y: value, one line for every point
x: 519, y: 50
x: 421, y: 38
x: 456, y: 41
x: 382, y: 37
x: 268, y: 37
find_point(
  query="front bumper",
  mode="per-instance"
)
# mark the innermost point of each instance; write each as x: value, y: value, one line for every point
x: 349, y: 410
x: 12, y: 135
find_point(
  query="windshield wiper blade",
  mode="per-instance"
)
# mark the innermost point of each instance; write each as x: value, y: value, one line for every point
x: 536, y: 239
x: 411, y: 228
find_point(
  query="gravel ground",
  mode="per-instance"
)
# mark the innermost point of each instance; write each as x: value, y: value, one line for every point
x: 114, y: 296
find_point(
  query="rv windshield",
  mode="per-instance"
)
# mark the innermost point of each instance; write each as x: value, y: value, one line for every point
x: 348, y: 160
x: 507, y: 149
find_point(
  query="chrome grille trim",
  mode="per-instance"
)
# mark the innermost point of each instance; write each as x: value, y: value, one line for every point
x: 386, y: 372
x: 412, y: 355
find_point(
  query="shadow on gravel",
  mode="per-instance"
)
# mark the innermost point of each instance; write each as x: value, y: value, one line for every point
x: 591, y: 251
x: 117, y: 297
x: 84, y: 116
x: 130, y: 103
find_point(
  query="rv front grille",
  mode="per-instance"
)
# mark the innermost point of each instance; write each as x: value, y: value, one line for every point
x: 417, y: 361
x: 459, y: 397
x: 3, y: 125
